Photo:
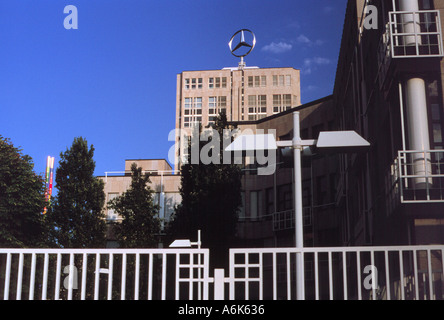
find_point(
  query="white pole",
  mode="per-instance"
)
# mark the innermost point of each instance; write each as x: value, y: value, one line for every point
x: 410, y: 23
x: 418, y: 130
x: 299, y: 229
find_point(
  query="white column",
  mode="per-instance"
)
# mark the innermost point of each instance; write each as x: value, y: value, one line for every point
x: 418, y: 129
x: 410, y: 21
x: 298, y: 225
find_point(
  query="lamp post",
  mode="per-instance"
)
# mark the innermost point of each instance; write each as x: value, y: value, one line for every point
x: 298, y: 221
x: 332, y: 141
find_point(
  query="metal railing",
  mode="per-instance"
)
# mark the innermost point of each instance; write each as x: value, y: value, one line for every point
x: 350, y: 273
x: 347, y: 273
x: 421, y: 176
x: 284, y: 220
x: 415, y: 34
x: 96, y: 274
x: 151, y: 172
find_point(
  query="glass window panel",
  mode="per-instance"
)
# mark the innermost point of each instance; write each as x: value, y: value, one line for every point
x: 187, y: 102
x: 198, y: 102
x: 433, y: 88
x: 288, y: 80
x: 256, y: 81
x: 437, y: 133
x: 263, y: 81
x: 436, y: 115
x: 252, y: 101
x: 262, y: 100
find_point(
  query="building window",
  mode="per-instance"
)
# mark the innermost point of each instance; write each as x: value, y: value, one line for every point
x: 275, y: 81
x: 218, y: 82
x: 198, y: 102
x: 255, y: 204
x: 281, y: 103
x: 269, y: 198
x: 285, y: 198
x: 193, y: 83
x: 282, y: 80
x: 288, y: 80
x: 250, y: 82
x: 262, y: 104
x: 111, y: 215
x: 436, y: 114
x: 263, y: 81
x: 257, y: 81
x: 188, y: 102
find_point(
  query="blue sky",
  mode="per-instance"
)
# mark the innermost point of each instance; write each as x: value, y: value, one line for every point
x: 113, y: 80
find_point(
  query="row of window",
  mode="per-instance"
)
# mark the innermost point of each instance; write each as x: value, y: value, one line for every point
x: 257, y: 106
x: 253, y: 81
x: 197, y: 83
x: 261, y: 81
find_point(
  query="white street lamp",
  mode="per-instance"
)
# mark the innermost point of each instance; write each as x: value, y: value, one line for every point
x: 186, y: 243
x: 336, y: 141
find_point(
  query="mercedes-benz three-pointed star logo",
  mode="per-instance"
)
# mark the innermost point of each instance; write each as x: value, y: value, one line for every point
x: 243, y: 47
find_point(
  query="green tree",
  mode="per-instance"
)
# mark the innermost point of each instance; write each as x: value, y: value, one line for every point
x: 140, y: 225
x: 76, y: 213
x: 211, y: 198
x: 22, y: 199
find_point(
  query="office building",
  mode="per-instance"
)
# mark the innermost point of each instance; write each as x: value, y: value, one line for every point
x: 243, y: 93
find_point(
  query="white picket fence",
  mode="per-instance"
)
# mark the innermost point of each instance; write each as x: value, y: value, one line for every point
x: 346, y: 273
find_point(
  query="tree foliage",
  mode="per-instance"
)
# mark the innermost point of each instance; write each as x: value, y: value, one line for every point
x: 76, y: 213
x: 211, y: 198
x: 21, y: 199
x: 140, y: 225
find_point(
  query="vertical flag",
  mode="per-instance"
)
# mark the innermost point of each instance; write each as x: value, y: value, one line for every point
x: 48, y: 179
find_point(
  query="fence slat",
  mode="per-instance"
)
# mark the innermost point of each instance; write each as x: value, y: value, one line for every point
x: 316, y: 275
x: 401, y: 274
x: 330, y: 275
x: 70, y: 275
x: 110, y: 276
x: 136, y: 280
x: 430, y: 272
x: 387, y: 275
x: 415, y: 268
x: 164, y: 275
x: 344, y: 275
x: 20, y: 277
x: 84, y: 272
x: 150, y: 276
x: 97, y: 277
x: 274, y: 277
x: 123, y: 280
x: 45, y: 276
x: 7, y: 277
x: 358, y: 269
x: 32, y: 278
x: 58, y: 270
x: 288, y: 277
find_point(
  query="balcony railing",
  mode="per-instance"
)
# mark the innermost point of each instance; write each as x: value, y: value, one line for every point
x: 421, y: 176
x: 415, y: 34
x: 284, y: 220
